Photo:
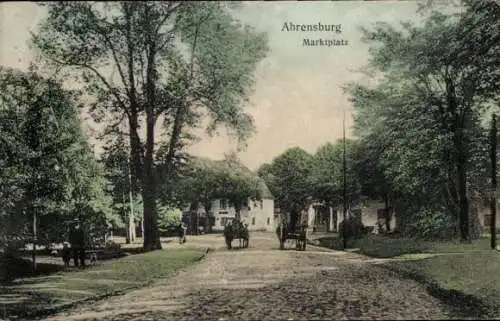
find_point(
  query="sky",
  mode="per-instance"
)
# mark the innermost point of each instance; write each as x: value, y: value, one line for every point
x: 297, y: 99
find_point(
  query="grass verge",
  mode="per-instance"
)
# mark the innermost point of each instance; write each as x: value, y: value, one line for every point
x: 464, y: 276
x: 49, y: 294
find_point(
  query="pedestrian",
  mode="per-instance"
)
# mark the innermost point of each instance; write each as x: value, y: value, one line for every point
x: 182, y: 233
x: 66, y: 254
x: 77, y: 241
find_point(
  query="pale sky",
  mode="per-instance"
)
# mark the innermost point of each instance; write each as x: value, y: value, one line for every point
x: 297, y: 99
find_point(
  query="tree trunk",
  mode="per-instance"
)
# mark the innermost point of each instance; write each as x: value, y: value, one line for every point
x: 208, y: 215
x: 493, y: 199
x: 294, y: 217
x: 151, y: 236
x: 135, y: 150
x: 462, y: 195
x: 131, y: 229
x: 238, y: 213
x: 387, y: 213
x: 142, y: 227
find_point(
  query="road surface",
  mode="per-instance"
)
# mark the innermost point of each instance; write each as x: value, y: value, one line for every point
x: 263, y: 283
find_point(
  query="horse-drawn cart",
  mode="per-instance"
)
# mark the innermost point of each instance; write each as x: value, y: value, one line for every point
x: 287, y: 231
x: 238, y: 231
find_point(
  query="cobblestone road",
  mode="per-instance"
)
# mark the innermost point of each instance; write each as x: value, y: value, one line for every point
x: 263, y: 283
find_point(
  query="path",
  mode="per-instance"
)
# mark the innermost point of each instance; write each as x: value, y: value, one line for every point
x: 263, y: 283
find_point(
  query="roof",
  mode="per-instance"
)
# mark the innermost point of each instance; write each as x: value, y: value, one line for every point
x: 205, y: 161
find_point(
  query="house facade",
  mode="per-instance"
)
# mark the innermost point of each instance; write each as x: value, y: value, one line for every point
x: 325, y: 218
x: 258, y: 214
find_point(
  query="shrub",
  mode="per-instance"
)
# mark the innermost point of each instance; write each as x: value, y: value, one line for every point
x: 431, y: 225
x: 112, y: 245
x: 354, y: 229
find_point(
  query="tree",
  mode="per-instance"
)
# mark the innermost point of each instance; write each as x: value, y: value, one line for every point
x: 240, y: 184
x: 444, y: 87
x: 200, y: 182
x: 174, y: 60
x: 48, y: 171
x: 288, y: 177
x: 116, y: 161
x: 327, y: 173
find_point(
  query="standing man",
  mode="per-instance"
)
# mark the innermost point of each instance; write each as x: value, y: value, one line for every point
x: 77, y: 240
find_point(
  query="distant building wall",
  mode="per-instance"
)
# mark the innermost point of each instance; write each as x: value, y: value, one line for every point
x: 258, y: 215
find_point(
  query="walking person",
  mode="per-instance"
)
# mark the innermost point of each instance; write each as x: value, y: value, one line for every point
x: 66, y: 255
x: 77, y: 240
x: 182, y: 233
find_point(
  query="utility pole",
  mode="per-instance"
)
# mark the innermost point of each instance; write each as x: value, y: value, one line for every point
x: 493, y: 204
x: 344, y: 239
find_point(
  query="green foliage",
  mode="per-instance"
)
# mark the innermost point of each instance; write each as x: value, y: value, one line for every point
x: 431, y: 225
x: 420, y: 125
x: 327, y: 177
x: 176, y: 62
x: 168, y: 217
x: 353, y: 230
x: 288, y: 178
x: 47, y: 165
x: 240, y: 184
x: 202, y: 180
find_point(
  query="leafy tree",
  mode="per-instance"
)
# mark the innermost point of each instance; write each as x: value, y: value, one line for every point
x: 47, y: 166
x: 172, y: 58
x: 116, y: 161
x: 327, y: 178
x: 432, y: 95
x: 288, y: 177
x: 239, y: 184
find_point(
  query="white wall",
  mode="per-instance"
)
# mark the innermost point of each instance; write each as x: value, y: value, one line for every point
x: 256, y: 214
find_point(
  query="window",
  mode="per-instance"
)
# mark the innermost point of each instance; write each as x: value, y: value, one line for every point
x: 253, y: 220
x: 223, y: 204
x: 268, y: 220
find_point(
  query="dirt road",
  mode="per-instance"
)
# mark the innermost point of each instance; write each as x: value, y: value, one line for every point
x: 263, y: 283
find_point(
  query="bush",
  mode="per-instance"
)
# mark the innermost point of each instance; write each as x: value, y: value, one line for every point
x: 431, y: 225
x: 354, y: 229
x: 112, y: 245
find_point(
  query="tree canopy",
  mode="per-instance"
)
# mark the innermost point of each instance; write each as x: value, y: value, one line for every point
x: 176, y: 63
x: 47, y: 165
x: 422, y: 121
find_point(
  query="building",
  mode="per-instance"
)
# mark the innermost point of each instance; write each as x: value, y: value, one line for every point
x: 325, y: 218
x: 258, y: 214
